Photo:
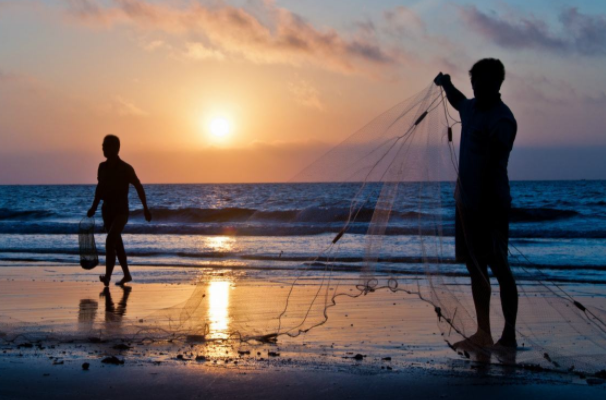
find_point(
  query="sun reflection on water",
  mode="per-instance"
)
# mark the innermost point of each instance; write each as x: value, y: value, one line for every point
x: 220, y: 243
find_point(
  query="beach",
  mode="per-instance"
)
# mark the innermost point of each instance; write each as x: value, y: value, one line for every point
x: 302, y: 199
x: 240, y: 291
x: 382, y: 344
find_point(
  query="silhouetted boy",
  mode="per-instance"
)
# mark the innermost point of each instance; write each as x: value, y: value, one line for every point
x: 483, y: 196
x: 114, y: 177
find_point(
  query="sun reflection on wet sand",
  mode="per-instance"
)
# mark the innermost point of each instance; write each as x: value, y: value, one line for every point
x: 218, y: 309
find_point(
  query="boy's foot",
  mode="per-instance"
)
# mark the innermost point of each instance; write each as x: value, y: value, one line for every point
x: 104, y: 280
x: 124, y: 280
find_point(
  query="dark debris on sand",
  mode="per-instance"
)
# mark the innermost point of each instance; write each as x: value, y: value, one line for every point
x: 113, y: 360
x: 357, y: 357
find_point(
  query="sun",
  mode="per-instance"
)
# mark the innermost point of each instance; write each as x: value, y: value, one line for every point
x: 219, y: 127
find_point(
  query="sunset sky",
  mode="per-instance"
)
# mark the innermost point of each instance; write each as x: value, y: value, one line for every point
x: 252, y: 91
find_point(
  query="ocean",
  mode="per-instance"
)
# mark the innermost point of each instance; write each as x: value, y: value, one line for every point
x: 559, y: 227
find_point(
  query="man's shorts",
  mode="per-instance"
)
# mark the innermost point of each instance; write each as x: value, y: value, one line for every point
x: 481, y: 236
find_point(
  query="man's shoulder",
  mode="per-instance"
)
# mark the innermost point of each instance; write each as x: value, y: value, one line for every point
x: 466, y: 105
x: 505, y: 111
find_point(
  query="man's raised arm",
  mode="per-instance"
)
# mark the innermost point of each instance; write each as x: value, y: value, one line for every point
x: 455, y: 97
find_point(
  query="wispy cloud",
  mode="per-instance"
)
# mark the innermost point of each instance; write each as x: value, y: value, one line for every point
x: 279, y: 36
x: 577, y: 32
x: 305, y: 93
x: 198, y: 51
x: 124, y: 108
x: 404, y: 22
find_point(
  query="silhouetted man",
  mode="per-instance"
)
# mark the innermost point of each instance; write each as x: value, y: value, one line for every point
x: 114, y: 177
x: 483, y: 196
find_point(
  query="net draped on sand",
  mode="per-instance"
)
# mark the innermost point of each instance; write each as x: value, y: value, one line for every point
x: 404, y: 155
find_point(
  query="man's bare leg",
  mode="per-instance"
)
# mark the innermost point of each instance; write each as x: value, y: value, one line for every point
x: 509, y: 302
x: 480, y: 289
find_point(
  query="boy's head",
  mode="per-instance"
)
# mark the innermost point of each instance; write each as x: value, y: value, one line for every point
x: 111, y: 146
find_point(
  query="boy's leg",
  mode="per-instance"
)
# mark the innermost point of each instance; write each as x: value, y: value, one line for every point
x: 121, y: 252
x: 111, y: 243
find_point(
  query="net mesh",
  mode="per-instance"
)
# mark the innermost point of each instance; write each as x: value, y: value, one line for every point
x: 403, y: 159
x: 89, y: 257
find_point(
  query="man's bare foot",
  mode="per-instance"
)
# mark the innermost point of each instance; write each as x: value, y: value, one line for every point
x: 478, y: 339
x: 104, y: 280
x: 507, y: 343
x: 124, y: 280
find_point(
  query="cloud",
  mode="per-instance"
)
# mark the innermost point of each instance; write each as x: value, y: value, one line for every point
x: 154, y: 45
x: 588, y: 32
x: 403, y: 21
x: 305, y: 94
x: 123, y: 108
x: 4, y: 76
x: 579, y: 33
x: 198, y: 51
x: 277, y: 37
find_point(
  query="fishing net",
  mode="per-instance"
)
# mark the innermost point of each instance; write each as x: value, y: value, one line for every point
x: 89, y: 258
x: 404, y: 159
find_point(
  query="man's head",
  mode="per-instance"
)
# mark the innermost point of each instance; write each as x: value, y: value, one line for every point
x: 487, y: 75
x: 111, y: 146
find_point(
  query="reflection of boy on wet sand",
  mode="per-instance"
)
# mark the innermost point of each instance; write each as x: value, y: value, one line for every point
x: 114, y: 177
x: 87, y: 311
x: 115, y: 313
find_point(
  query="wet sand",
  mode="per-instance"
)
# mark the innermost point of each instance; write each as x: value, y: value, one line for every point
x: 181, y: 380
x: 384, y: 344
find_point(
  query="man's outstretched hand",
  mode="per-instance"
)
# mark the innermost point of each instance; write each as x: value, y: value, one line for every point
x: 441, y: 79
x: 91, y: 212
x: 148, y: 216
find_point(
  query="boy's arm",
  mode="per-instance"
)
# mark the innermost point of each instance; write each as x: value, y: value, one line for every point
x: 454, y: 95
x: 141, y: 192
